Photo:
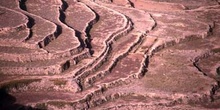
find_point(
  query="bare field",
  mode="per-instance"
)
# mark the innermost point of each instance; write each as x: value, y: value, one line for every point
x: 109, y: 54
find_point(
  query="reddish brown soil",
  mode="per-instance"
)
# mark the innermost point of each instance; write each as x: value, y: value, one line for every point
x: 110, y: 54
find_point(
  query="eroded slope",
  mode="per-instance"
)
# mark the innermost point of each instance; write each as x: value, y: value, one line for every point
x: 110, y: 54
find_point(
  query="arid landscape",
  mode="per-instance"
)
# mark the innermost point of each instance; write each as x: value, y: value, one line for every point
x: 109, y: 54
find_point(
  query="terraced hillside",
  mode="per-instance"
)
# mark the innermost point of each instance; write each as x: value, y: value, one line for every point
x: 109, y: 54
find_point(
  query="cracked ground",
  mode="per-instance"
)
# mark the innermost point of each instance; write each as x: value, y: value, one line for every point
x: 109, y: 54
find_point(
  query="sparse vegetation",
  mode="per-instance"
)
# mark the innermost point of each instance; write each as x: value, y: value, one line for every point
x: 18, y: 83
x: 59, y: 82
x: 41, y: 106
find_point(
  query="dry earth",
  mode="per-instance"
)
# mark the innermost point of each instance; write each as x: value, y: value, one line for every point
x: 109, y: 54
